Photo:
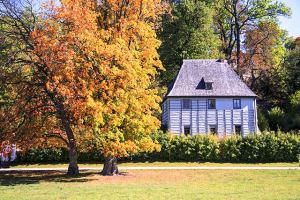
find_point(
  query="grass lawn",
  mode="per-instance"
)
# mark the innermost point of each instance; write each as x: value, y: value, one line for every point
x: 170, y: 184
x: 167, y: 164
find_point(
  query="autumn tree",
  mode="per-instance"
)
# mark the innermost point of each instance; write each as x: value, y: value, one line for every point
x: 263, y: 51
x: 187, y: 33
x: 131, y: 61
x: 234, y: 17
x: 85, y: 70
x: 46, y: 80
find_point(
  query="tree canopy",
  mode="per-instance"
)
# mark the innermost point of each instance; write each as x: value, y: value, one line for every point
x: 85, y: 72
x: 187, y: 33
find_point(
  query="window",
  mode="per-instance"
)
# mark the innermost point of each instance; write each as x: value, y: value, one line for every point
x: 208, y: 86
x: 186, y: 103
x: 237, y: 104
x: 187, y: 130
x: 238, y: 129
x: 211, y: 104
x: 213, y: 130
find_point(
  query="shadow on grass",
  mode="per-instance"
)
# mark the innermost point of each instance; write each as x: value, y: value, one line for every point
x: 19, y: 178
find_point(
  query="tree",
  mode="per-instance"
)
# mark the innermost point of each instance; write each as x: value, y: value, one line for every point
x: 294, y: 111
x: 276, y: 119
x: 187, y: 33
x: 264, y: 50
x: 263, y: 123
x: 234, y: 17
x: 131, y: 100
x: 292, y: 65
x: 48, y: 84
x: 272, y: 87
x: 282, y: 80
x: 86, y: 71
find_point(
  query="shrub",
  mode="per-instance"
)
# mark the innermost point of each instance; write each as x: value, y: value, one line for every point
x: 267, y: 147
x: 206, y: 148
x: 277, y: 119
x: 42, y: 155
x: 288, y: 147
x: 230, y: 148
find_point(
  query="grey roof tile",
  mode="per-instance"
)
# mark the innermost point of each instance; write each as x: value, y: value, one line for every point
x: 225, y: 80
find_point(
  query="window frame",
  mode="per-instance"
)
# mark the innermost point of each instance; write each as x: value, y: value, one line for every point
x: 184, y: 104
x: 235, y: 131
x: 189, y: 128
x: 213, y: 127
x: 235, y: 105
x: 208, y: 104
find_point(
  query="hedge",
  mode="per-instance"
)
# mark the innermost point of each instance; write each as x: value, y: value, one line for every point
x: 267, y: 147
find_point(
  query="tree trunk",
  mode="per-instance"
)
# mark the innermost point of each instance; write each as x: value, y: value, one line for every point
x: 110, y: 167
x: 237, y: 37
x: 73, y: 165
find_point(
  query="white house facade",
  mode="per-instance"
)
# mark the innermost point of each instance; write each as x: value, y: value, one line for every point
x: 208, y: 97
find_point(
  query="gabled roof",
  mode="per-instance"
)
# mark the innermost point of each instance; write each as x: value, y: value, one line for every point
x: 226, y: 83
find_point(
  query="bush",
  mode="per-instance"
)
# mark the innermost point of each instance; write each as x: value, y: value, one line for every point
x: 267, y: 147
x: 277, y: 119
x: 42, y: 155
x: 230, y: 149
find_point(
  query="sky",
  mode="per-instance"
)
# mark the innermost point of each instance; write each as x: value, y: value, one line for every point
x: 292, y: 24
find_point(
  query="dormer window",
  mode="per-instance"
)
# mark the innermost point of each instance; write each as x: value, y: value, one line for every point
x: 208, y: 86
x: 204, y: 85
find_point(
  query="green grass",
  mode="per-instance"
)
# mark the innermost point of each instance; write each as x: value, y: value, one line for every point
x: 168, y: 164
x: 156, y: 185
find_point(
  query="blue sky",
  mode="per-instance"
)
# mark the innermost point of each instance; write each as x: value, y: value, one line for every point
x: 292, y: 24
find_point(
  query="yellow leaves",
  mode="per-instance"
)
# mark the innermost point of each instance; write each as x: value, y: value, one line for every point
x: 147, y: 145
x: 103, y: 68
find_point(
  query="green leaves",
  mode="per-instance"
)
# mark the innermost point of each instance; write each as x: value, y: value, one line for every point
x: 188, y: 34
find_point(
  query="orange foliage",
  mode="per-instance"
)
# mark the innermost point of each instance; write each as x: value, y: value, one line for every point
x: 260, y: 44
x: 101, y: 59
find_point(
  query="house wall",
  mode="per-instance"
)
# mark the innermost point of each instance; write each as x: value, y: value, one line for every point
x: 200, y: 119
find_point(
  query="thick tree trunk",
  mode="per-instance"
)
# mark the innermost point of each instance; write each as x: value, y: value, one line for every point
x: 73, y: 165
x: 110, y: 167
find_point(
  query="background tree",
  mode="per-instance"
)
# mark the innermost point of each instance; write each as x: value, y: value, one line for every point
x: 234, y: 17
x: 187, y: 33
x: 292, y: 65
x: 263, y: 50
x: 278, y: 87
x: 294, y: 112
